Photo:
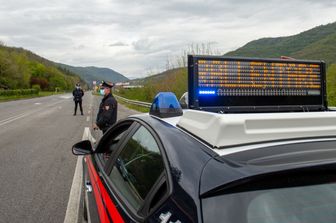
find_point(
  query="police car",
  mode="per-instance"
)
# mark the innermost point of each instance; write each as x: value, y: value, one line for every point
x: 257, y: 144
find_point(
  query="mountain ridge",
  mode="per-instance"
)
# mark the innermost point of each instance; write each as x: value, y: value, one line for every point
x: 309, y: 44
x: 93, y: 73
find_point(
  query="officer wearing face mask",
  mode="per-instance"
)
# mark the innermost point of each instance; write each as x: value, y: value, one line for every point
x: 107, y: 114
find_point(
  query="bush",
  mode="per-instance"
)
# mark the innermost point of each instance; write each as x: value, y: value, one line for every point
x: 175, y: 81
x: 36, y: 87
x: 19, y: 92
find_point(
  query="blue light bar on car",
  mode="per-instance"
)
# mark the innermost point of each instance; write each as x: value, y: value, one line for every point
x: 165, y: 105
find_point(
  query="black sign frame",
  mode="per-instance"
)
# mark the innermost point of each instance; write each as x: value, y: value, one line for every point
x: 241, y: 104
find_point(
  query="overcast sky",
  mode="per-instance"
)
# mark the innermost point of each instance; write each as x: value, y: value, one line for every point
x: 136, y: 37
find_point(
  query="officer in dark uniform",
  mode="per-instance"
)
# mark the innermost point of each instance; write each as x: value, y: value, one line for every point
x: 107, y: 114
x: 78, y: 93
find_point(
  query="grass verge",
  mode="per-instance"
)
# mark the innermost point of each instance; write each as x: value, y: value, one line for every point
x: 130, y: 106
x: 134, y: 107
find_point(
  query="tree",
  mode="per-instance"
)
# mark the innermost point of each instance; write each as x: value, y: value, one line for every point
x: 40, y: 81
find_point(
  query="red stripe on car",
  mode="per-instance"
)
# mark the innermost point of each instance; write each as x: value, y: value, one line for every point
x: 96, y: 191
x: 103, y: 199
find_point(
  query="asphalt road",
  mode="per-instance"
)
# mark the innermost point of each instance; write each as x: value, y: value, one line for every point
x: 36, y: 163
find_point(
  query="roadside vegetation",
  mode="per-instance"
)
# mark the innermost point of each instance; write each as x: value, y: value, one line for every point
x: 24, y: 74
x: 331, y: 85
x: 174, y: 81
x: 26, y: 96
x: 134, y: 107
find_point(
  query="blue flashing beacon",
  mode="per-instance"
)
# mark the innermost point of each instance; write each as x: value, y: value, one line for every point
x: 166, y: 105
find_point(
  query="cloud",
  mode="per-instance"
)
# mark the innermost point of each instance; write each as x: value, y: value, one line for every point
x: 119, y: 43
x: 137, y: 37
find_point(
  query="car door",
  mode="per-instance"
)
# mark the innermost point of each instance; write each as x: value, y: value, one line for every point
x: 137, y: 175
x: 98, y: 205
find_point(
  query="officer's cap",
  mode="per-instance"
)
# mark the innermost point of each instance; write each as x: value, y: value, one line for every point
x: 107, y: 84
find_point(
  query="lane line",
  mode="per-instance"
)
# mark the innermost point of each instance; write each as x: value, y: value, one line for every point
x: 66, y: 96
x: 71, y: 215
x: 88, y: 118
x: 13, y: 118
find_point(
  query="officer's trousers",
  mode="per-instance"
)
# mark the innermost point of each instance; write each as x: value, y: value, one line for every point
x: 80, y: 107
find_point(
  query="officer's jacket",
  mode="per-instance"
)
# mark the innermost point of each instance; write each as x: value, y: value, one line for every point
x: 107, y: 114
x: 78, y: 94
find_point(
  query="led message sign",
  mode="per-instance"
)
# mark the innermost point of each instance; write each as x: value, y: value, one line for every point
x: 245, y: 84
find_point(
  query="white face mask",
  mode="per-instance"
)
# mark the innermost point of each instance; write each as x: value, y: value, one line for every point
x: 77, y: 87
x: 102, y: 91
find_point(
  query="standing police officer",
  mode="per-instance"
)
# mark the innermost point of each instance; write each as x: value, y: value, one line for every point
x: 107, y: 114
x: 78, y: 93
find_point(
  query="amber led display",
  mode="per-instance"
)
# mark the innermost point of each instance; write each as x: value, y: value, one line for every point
x: 259, y: 78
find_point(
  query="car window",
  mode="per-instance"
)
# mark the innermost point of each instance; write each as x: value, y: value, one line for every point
x: 111, y: 141
x: 137, y: 168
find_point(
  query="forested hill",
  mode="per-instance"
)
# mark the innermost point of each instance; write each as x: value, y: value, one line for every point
x: 21, y: 69
x: 317, y: 43
x: 90, y: 74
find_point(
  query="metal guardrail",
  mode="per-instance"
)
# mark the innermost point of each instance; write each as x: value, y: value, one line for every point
x: 134, y: 102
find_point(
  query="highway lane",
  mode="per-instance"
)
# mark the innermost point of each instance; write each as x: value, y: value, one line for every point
x: 36, y: 163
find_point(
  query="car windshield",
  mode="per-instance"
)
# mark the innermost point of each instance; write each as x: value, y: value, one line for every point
x: 293, y: 204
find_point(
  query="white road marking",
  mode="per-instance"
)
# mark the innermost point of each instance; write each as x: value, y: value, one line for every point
x: 37, y: 103
x: 10, y: 119
x: 13, y: 118
x: 90, y: 137
x: 88, y: 118
x: 71, y: 215
x: 66, y: 96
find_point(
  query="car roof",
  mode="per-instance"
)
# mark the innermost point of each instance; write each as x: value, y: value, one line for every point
x: 268, y: 160
x: 231, y: 133
x: 227, y: 130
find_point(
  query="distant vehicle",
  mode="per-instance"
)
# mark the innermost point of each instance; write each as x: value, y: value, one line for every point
x: 265, y: 164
